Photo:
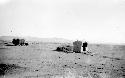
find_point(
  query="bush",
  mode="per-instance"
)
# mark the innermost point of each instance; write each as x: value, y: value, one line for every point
x: 26, y: 44
x: 15, y: 42
x: 20, y: 42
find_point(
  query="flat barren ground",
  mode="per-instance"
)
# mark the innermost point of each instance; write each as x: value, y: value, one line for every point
x: 39, y: 60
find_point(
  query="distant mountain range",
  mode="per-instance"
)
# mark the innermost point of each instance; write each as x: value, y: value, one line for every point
x: 58, y: 40
x: 52, y: 40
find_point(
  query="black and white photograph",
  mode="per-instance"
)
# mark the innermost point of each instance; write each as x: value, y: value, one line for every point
x: 62, y: 38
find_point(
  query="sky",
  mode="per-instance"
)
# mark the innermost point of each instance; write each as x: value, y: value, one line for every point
x: 91, y: 20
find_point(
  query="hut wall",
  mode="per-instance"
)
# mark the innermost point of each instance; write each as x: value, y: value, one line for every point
x: 77, y: 46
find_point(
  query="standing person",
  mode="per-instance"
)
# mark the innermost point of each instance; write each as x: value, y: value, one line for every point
x: 84, y: 46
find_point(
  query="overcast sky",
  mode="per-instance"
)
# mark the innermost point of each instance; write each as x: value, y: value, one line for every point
x: 91, y: 20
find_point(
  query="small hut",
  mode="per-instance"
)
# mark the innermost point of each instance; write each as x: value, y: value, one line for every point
x: 77, y: 46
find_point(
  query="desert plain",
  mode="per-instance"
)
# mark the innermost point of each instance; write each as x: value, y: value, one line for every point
x: 40, y: 60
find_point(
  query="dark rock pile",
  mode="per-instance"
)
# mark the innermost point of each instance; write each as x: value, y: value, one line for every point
x: 66, y: 48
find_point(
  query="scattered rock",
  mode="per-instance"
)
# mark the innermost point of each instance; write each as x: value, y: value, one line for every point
x: 11, y: 69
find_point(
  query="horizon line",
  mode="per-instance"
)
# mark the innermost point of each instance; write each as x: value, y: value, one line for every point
x: 91, y: 42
